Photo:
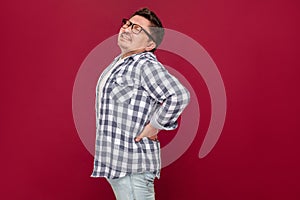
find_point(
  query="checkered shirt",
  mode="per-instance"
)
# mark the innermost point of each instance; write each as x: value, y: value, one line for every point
x: 138, y: 91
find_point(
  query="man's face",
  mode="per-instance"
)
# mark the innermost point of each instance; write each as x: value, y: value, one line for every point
x: 130, y: 42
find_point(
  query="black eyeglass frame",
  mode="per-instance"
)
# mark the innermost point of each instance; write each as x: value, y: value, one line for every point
x: 124, y: 22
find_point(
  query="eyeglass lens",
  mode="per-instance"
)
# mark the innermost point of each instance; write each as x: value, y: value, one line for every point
x: 134, y: 27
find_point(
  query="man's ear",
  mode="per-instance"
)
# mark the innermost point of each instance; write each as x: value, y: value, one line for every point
x: 151, y: 45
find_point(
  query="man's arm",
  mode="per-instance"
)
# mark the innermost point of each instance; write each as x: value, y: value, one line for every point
x: 167, y: 90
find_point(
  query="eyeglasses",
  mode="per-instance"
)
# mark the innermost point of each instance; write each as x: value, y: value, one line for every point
x: 135, y: 28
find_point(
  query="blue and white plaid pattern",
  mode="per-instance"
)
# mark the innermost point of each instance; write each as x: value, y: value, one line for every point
x: 138, y: 91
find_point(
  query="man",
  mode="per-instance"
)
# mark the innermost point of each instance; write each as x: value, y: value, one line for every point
x: 135, y: 98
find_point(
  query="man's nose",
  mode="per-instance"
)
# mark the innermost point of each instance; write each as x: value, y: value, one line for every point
x: 128, y: 29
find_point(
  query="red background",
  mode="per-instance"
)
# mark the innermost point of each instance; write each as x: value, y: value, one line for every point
x: 255, y: 46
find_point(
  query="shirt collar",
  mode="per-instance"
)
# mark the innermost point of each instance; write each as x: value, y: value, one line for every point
x: 135, y: 57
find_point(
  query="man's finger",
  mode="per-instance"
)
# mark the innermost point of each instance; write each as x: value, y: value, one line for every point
x: 137, y: 139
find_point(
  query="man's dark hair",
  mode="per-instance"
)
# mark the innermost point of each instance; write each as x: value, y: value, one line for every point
x: 156, y: 29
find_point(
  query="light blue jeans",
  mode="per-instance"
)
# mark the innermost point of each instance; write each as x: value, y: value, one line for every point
x: 134, y: 187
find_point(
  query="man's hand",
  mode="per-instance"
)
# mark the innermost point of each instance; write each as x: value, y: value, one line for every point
x: 149, y: 132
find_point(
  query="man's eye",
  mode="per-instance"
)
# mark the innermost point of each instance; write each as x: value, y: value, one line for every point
x: 136, y: 27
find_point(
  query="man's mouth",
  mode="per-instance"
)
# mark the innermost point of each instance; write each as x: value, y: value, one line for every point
x: 126, y: 36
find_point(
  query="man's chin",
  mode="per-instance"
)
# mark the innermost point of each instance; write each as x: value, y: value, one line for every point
x: 122, y: 42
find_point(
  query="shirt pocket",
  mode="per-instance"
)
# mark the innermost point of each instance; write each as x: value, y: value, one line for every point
x: 123, y: 89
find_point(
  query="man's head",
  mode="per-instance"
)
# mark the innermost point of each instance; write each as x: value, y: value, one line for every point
x: 142, y: 32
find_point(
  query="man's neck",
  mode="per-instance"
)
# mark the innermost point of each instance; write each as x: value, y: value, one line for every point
x: 129, y: 53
